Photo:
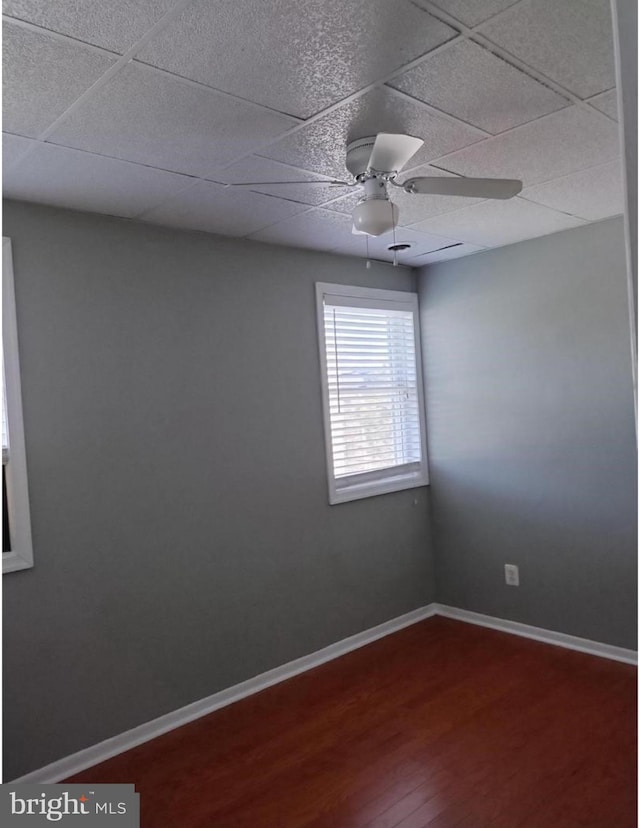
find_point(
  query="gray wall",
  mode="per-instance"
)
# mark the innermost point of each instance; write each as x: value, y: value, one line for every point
x: 531, y: 432
x: 182, y: 535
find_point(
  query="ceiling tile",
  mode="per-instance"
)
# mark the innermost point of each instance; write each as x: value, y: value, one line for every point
x: 321, y: 145
x: 472, y: 12
x: 413, y: 208
x: 500, y: 96
x: 82, y: 181
x: 318, y: 229
x: 146, y: 116
x: 255, y: 168
x: 378, y: 246
x: 456, y: 252
x: 299, y: 57
x: 555, y: 145
x: 43, y: 76
x: 217, y: 209
x: 14, y: 148
x: 115, y: 24
x: 591, y: 194
x: 607, y: 102
x: 495, y: 223
x: 570, y: 41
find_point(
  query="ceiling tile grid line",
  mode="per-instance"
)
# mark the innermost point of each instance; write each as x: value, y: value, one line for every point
x: 62, y: 38
x: 218, y: 92
x: 600, y: 111
x: 115, y: 25
x: 450, y: 20
x: 117, y: 66
x: 605, y: 102
x: 37, y: 142
x: 451, y: 214
x: 514, y: 60
x: 439, y: 113
x: 441, y: 161
x: 474, y: 34
x: 305, y: 208
x: 126, y: 58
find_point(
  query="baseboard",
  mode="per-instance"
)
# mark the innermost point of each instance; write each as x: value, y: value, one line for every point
x: 77, y: 762
x: 571, y: 642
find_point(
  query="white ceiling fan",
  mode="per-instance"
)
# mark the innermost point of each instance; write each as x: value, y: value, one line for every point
x: 375, y: 163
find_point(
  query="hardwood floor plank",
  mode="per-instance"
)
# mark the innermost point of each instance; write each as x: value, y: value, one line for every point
x: 441, y: 725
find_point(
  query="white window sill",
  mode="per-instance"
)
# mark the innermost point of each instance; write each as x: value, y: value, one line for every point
x: 371, y: 488
x: 13, y: 562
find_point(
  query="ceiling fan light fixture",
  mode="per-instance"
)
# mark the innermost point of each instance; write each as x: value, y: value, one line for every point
x: 375, y: 216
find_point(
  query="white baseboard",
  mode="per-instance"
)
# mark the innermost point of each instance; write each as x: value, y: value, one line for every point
x: 571, y: 642
x: 77, y: 762
x: 70, y: 765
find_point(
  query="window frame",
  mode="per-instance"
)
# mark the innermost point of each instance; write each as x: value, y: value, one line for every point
x: 21, y: 554
x: 381, y: 481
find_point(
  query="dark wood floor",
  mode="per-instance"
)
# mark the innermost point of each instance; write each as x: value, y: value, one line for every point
x: 440, y: 725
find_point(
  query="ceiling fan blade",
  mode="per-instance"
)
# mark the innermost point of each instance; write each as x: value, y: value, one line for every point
x: 471, y: 187
x: 333, y: 182
x: 391, y: 152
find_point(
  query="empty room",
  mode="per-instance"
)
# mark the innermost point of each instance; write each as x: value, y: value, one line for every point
x: 319, y: 413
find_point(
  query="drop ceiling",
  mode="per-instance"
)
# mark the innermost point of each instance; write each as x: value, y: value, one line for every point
x: 147, y: 109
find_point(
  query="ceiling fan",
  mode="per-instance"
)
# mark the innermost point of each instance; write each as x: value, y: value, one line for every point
x: 375, y: 163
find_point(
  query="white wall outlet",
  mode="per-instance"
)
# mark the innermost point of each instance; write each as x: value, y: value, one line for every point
x: 511, y: 575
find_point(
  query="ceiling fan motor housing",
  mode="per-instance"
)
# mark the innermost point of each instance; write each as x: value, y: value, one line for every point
x: 358, y: 155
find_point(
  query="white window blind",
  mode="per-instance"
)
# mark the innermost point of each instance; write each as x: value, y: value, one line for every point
x: 374, y: 414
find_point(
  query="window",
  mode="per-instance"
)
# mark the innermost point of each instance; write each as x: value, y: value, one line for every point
x: 17, y: 551
x: 372, y: 391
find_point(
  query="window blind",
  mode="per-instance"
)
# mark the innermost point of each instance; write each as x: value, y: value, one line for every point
x: 372, y: 388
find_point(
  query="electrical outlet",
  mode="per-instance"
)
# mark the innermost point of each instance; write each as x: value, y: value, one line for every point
x: 511, y: 575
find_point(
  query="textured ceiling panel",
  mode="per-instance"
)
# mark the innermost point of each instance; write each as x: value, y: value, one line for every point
x: 136, y: 140
x: 570, y: 41
x: 321, y: 145
x: 13, y: 149
x: 42, y: 77
x: 217, y: 209
x: 296, y: 57
x: 494, y: 223
x: 499, y: 98
x: 471, y: 12
x: 145, y: 116
x: 413, y: 208
x: 456, y: 252
x: 556, y: 145
x: 318, y: 229
x: 607, y: 102
x: 69, y: 178
x: 378, y: 246
x: 255, y: 168
x: 591, y: 194
x: 113, y: 24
